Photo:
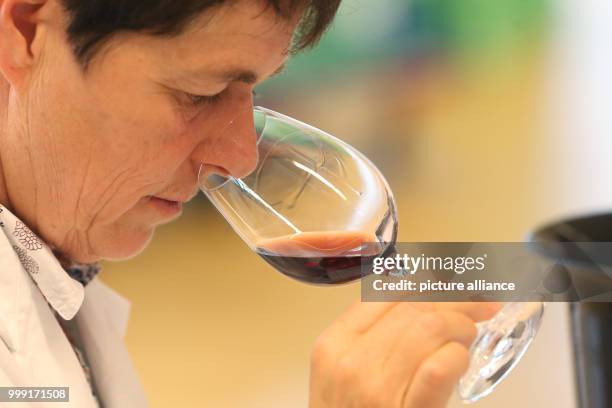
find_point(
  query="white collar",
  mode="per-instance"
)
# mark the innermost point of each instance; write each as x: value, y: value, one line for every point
x: 62, y: 292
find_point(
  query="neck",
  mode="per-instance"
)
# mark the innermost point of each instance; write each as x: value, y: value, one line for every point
x: 4, y: 92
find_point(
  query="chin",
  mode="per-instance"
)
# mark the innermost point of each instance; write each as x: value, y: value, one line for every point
x: 122, y: 245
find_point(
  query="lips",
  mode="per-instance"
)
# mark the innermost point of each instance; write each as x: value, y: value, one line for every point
x: 169, y: 200
x: 177, y: 198
x: 172, y: 200
x: 166, y: 207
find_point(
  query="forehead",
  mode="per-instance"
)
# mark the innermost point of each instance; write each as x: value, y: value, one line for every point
x: 237, y: 34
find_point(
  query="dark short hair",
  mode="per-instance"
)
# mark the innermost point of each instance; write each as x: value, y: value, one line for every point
x: 93, y: 22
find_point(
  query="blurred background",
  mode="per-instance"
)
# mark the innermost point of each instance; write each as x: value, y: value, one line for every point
x: 488, y: 119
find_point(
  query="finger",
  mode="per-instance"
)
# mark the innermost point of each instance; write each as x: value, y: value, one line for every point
x: 427, y: 331
x: 411, y: 344
x: 477, y: 311
x: 361, y: 316
x: 436, y: 377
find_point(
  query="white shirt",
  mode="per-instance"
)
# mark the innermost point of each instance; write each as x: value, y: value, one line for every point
x: 34, y: 350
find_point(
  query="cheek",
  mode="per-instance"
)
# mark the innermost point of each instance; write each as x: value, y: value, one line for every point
x: 149, y: 135
x: 136, y: 152
x: 140, y: 123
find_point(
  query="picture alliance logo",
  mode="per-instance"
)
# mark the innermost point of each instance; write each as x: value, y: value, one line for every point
x: 406, y: 264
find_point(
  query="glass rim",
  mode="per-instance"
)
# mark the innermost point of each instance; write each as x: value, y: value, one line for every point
x: 270, y: 113
x: 256, y: 109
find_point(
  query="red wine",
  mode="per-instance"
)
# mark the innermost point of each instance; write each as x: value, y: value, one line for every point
x: 321, y: 257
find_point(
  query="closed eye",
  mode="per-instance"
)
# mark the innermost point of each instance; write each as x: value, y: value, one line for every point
x: 200, y: 100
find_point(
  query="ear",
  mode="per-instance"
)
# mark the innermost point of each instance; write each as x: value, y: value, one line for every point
x: 19, y: 26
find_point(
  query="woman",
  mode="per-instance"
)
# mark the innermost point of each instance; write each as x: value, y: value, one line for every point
x: 107, y: 111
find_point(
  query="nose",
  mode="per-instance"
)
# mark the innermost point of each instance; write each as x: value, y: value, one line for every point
x: 231, y: 147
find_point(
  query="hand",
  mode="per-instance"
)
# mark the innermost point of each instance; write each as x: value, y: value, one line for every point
x: 394, y: 355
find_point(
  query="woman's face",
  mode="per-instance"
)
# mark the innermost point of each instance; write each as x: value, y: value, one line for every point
x: 90, y: 158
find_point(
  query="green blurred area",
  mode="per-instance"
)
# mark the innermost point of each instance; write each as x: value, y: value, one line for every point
x: 368, y: 34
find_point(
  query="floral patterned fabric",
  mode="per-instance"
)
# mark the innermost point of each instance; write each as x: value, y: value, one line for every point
x: 28, y: 242
x: 61, y: 287
x: 63, y: 293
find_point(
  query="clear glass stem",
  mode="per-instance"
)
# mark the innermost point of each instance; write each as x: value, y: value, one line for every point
x: 500, y: 344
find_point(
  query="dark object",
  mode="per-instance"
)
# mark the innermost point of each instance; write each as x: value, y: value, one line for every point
x: 558, y: 279
x: 591, y: 323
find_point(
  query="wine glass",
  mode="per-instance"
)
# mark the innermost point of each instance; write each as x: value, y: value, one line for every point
x: 499, y: 346
x: 314, y: 208
x: 317, y: 210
